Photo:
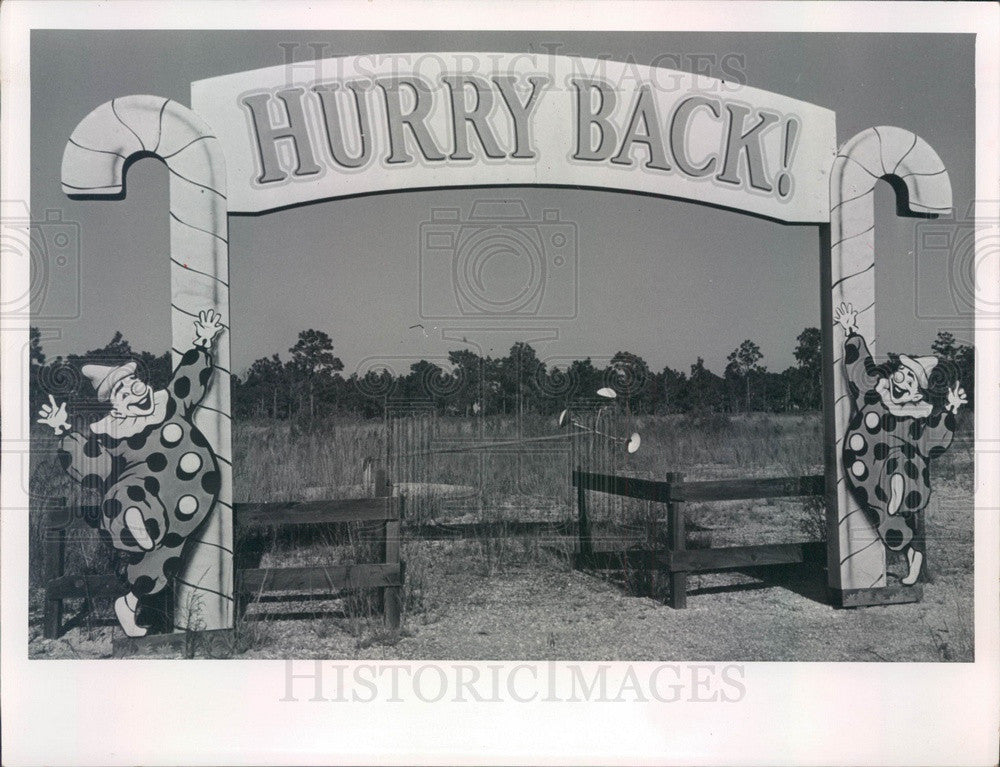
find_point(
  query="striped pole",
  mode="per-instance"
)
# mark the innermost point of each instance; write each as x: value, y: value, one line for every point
x: 94, y: 165
x: 856, y: 557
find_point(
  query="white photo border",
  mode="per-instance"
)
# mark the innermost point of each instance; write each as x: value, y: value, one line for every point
x: 230, y: 712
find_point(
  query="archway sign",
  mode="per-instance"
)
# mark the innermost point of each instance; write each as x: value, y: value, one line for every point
x: 266, y: 139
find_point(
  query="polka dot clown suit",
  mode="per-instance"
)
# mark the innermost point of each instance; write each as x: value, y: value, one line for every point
x: 892, y: 436
x: 156, y: 471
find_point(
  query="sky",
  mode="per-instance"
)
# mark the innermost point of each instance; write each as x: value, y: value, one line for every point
x: 666, y: 279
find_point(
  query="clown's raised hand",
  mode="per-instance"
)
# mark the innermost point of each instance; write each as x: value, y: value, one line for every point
x: 54, y: 416
x: 207, y: 327
x: 845, y: 316
x: 956, y: 398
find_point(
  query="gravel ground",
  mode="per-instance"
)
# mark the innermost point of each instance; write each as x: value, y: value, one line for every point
x: 524, y: 602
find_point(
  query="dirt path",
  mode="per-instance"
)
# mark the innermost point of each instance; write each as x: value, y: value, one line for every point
x: 549, y: 614
x: 537, y: 608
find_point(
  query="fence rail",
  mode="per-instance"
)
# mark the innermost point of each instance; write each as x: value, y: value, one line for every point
x: 82, y: 586
x: 446, y: 531
x: 315, y: 578
x: 315, y: 512
x: 748, y: 489
x: 677, y: 559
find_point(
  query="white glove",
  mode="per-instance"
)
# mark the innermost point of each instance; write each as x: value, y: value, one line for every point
x: 956, y: 398
x: 845, y: 316
x: 54, y: 416
x: 207, y: 327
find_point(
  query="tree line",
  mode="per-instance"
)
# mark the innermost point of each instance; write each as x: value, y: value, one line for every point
x: 310, y: 383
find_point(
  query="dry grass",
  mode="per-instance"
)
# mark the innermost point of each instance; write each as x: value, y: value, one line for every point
x: 447, y: 582
x: 275, y: 461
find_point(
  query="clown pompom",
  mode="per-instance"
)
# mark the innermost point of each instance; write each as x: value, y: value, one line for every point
x: 894, y: 432
x: 155, y: 470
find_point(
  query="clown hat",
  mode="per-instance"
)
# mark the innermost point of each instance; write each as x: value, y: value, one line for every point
x: 103, y: 377
x: 921, y: 367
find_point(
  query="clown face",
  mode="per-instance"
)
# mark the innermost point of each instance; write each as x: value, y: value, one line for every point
x: 901, y: 388
x: 131, y: 397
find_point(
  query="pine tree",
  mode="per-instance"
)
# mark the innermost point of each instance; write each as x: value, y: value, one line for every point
x: 313, y: 364
x: 809, y: 354
x: 744, y: 362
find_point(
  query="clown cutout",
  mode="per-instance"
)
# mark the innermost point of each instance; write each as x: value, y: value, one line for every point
x: 155, y: 470
x: 894, y: 432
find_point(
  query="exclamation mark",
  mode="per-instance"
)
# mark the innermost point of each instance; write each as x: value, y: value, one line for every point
x: 785, y: 180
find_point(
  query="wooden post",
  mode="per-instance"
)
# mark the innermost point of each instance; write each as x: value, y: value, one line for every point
x: 677, y: 542
x: 55, y: 564
x: 583, y: 524
x: 389, y: 441
x: 391, y: 595
x: 651, y: 533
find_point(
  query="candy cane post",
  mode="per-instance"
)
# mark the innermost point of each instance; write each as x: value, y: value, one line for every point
x: 94, y: 165
x: 856, y: 561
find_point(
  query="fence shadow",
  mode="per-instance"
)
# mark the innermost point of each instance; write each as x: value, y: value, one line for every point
x: 807, y: 579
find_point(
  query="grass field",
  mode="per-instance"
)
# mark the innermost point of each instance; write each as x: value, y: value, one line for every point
x: 507, y: 597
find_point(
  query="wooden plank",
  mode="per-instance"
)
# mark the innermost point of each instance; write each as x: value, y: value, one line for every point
x: 317, y: 578
x: 392, y: 595
x: 273, y: 579
x: 456, y: 530
x: 382, y: 488
x: 87, y: 586
x: 713, y: 490
x: 887, y: 595
x: 733, y: 557
x: 746, y: 489
x: 449, y: 531
x: 58, y: 516
x: 55, y: 562
x: 316, y: 512
x: 614, y: 539
x: 617, y: 546
x: 583, y: 523
x: 614, y: 560
x: 630, y: 487
x: 678, y: 543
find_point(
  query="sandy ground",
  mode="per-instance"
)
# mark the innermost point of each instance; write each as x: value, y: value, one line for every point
x: 534, y: 606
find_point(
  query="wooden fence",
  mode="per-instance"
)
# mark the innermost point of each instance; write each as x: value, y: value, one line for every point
x: 677, y: 559
x: 387, y: 576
